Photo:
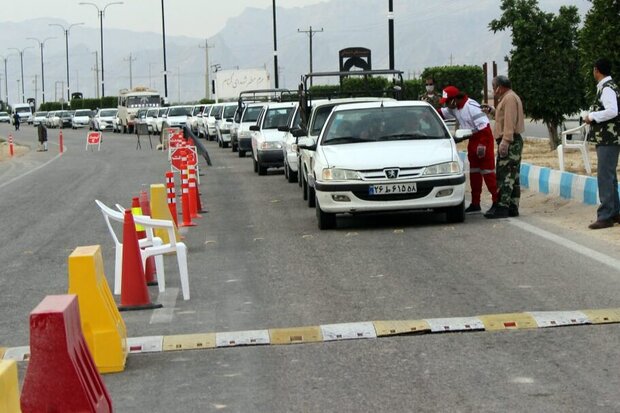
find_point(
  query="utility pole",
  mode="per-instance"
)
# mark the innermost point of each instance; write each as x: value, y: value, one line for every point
x: 275, y: 47
x: 130, y: 60
x: 36, y: 89
x: 96, y: 69
x: 206, y: 47
x: 179, y: 84
x: 391, y: 32
x: 310, y: 33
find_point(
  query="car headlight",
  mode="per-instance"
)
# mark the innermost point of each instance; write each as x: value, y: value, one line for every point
x: 271, y: 145
x: 443, y: 169
x: 335, y: 174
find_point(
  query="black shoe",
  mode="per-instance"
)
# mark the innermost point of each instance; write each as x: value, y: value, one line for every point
x: 513, y: 211
x: 472, y: 209
x: 490, y: 211
x: 499, y: 212
x: 600, y: 224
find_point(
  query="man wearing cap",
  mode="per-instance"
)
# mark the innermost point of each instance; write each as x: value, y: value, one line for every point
x: 480, y: 147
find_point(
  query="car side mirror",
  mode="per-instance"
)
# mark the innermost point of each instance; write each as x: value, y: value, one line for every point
x: 462, y: 134
x: 299, y: 132
x: 307, y: 142
x: 255, y: 128
x: 283, y: 128
x: 229, y: 120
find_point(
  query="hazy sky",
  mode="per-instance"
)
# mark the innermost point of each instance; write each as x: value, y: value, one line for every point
x: 196, y: 18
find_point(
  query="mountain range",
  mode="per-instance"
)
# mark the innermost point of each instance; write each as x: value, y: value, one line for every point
x: 427, y: 33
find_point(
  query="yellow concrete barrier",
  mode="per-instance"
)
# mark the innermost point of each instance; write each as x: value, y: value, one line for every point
x: 160, y: 210
x: 102, y: 325
x: 9, y: 387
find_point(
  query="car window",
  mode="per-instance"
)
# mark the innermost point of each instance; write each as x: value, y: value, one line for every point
x: 108, y: 112
x: 229, y: 111
x: 180, y: 111
x: 216, y: 111
x: 276, y: 117
x: 197, y: 110
x: 320, y: 116
x: 384, y: 124
x: 162, y: 111
x: 251, y: 114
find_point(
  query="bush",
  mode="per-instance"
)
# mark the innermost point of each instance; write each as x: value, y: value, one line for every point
x: 413, y: 89
x: 205, y: 101
x: 109, y: 102
x: 469, y: 79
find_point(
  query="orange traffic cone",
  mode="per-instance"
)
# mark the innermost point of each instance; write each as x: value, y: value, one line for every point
x: 171, y: 196
x: 138, y: 209
x: 134, y: 295
x: 185, y: 202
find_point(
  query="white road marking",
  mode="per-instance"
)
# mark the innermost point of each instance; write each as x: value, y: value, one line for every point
x: 568, y: 244
x: 169, y: 299
x: 10, y: 181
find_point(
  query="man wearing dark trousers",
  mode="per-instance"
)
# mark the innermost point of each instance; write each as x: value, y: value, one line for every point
x: 604, y: 124
x: 509, y: 125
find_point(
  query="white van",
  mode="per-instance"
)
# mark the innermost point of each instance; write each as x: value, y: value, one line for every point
x: 23, y: 110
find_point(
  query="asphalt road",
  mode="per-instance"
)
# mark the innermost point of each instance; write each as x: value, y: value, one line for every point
x: 257, y: 261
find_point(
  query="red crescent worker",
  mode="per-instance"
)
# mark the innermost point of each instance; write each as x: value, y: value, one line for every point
x: 480, y: 147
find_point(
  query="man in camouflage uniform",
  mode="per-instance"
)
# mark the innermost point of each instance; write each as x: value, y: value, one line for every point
x: 509, y: 125
x: 604, y: 124
x: 430, y: 95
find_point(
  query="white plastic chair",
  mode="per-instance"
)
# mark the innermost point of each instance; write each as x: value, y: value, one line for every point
x: 578, y: 140
x: 157, y: 249
x: 111, y: 214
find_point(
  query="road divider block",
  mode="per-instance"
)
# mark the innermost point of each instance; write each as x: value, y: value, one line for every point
x: 297, y: 335
x: 9, y: 387
x: 61, y: 374
x: 242, y: 338
x: 559, y: 318
x: 454, y: 324
x: 102, y: 325
x: 396, y: 327
x: 508, y: 321
x: 160, y: 210
x: 189, y: 342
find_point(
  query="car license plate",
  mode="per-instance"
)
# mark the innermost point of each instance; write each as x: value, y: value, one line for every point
x: 404, y: 188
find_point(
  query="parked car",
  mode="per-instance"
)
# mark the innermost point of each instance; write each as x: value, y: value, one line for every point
x: 63, y: 118
x: 386, y: 156
x: 195, y: 116
x: 161, y: 116
x: 201, y: 122
x: 5, y: 117
x: 150, y: 117
x: 53, y: 119
x: 176, y: 116
x: 224, y: 123
x: 267, y: 138
x: 215, y: 112
x: 104, y: 119
x: 38, y: 118
x: 81, y: 118
x: 249, y: 116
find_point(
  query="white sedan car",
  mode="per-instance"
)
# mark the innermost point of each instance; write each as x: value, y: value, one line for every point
x: 386, y: 156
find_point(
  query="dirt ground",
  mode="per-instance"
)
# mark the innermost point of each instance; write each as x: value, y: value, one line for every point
x: 18, y: 150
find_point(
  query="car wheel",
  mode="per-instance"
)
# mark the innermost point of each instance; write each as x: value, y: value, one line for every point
x: 219, y: 143
x: 286, y: 171
x: 262, y: 170
x: 241, y: 154
x: 224, y: 144
x: 304, y: 188
x: 292, y: 176
x: 325, y: 220
x: 234, y: 147
x: 255, y: 164
x: 456, y: 214
x: 311, y: 196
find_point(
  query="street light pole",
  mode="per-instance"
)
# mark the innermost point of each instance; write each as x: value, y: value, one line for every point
x: 163, y: 30
x: 275, y: 46
x: 6, y: 83
x: 101, y: 13
x: 41, y: 43
x: 391, y: 32
x: 21, y: 59
x: 66, y: 30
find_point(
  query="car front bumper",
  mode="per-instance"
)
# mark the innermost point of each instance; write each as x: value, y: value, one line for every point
x: 273, y: 158
x: 353, y: 198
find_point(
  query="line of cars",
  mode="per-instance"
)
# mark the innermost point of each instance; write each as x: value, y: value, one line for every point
x: 356, y: 155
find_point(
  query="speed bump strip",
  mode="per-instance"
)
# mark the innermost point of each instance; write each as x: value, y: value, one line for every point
x: 189, y: 342
x: 148, y: 344
x: 509, y: 321
x: 296, y: 335
x: 444, y: 325
x: 603, y: 316
x: 559, y: 318
x: 242, y: 338
x: 348, y: 331
x: 392, y: 328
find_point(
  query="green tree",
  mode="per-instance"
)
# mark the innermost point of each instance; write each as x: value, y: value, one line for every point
x: 600, y: 37
x: 544, y: 62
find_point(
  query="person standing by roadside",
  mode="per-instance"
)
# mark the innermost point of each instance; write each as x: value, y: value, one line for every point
x: 469, y: 115
x: 430, y: 95
x: 604, y: 124
x: 42, y: 134
x: 509, y: 125
x: 16, y: 120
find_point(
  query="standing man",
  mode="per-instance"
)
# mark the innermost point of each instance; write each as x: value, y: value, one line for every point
x: 509, y: 125
x: 480, y: 147
x: 605, y: 133
x: 430, y: 95
x: 16, y: 120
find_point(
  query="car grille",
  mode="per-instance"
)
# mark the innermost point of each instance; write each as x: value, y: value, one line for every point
x: 404, y: 173
x: 364, y: 196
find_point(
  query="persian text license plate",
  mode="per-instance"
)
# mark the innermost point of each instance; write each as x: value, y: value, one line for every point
x: 404, y: 188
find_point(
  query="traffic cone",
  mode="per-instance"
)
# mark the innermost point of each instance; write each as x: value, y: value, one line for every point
x: 193, y: 192
x: 134, y: 294
x: 60, y: 142
x: 187, y: 216
x: 171, y: 196
x: 149, y: 268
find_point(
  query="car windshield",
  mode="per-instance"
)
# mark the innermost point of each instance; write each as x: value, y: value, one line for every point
x: 22, y: 110
x: 180, y: 111
x: 384, y: 124
x: 152, y: 112
x: 229, y: 111
x: 107, y: 112
x: 217, y: 110
x: 63, y: 114
x: 142, y: 101
x: 38, y: 114
x: 276, y: 117
x: 82, y: 113
x: 162, y: 111
x: 4, y: 114
x: 196, y: 110
x: 251, y: 114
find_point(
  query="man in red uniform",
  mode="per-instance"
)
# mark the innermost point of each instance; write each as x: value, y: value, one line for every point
x: 480, y: 147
